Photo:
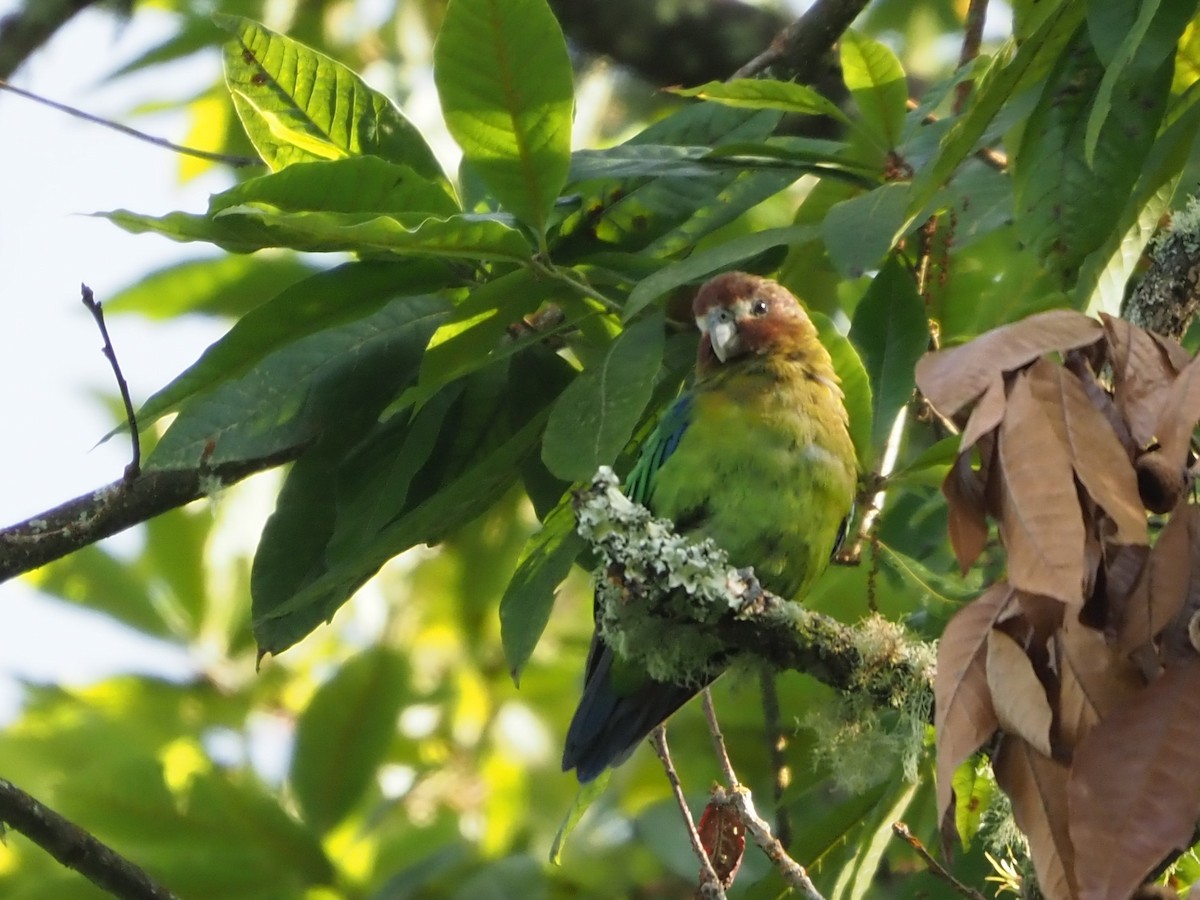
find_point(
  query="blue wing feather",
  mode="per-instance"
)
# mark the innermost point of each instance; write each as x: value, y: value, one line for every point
x: 612, y: 720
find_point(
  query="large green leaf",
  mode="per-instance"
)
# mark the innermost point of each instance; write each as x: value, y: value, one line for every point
x: 303, y: 389
x: 765, y: 93
x: 504, y: 79
x: 282, y: 619
x: 856, y: 386
x: 219, y: 286
x: 859, y: 231
x: 891, y: 332
x: 595, y: 416
x: 477, y: 332
x: 1056, y: 24
x: 298, y: 105
x: 529, y: 597
x: 250, y: 227
x: 876, y: 81
x: 711, y: 259
x: 1064, y: 206
x: 344, y: 733
x: 264, y: 851
x: 325, y: 300
x: 630, y: 215
x: 364, y: 184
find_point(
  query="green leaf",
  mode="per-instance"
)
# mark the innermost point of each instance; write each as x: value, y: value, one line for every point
x: 993, y: 92
x: 473, y: 334
x: 344, y: 733
x: 630, y: 217
x: 859, y: 231
x: 950, y: 590
x: 891, y: 331
x: 217, y: 286
x: 855, y: 386
x: 974, y: 788
x: 299, y: 105
x: 264, y: 851
x: 504, y: 79
x: 294, y: 394
x: 324, y: 301
x: 586, y: 795
x: 765, y: 93
x: 545, y: 561
x: 1103, y: 275
x: 857, y: 880
x: 1064, y: 207
x: 250, y: 227
x: 711, y: 259
x: 594, y: 417
x: 280, y: 620
x: 364, y: 184
x: 876, y: 80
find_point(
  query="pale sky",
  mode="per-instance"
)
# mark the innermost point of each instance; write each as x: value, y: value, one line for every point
x: 53, y: 168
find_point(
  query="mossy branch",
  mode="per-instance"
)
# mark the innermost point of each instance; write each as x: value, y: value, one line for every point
x: 680, y: 609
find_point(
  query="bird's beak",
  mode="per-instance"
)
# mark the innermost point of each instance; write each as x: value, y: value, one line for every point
x: 723, y: 335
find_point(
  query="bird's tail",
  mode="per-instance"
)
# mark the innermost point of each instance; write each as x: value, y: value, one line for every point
x: 613, y: 719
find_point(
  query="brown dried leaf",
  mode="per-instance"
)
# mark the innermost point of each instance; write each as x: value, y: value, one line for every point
x: 1103, y: 466
x: 964, y: 716
x: 1017, y: 695
x: 1143, y: 370
x: 723, y: 836
x: 1094, y: 679
x: 966, y: 511
x: 985, y: 416
x: 1135, y: 786
x: 1180, y: 412
x: 1040, y: 523
x: 1100, y: 398
x: 1166, y: 578
x: 1037, y: 787
x: 952, y: 378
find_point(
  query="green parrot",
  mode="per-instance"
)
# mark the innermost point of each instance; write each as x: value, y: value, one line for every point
x: 757, y: 456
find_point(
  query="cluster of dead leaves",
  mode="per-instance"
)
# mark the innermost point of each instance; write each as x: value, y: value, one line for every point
x: 1080, y: 671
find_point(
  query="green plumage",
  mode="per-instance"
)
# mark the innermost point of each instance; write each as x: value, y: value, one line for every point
x: 757, y: 456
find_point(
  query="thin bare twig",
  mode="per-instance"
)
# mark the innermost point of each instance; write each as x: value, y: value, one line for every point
x: 972, y: 38
x: 714, y: 728
x: 710, y: 883
x: 76, y: 848
x: 236, y: 161
x: 935, y: 867
x: 793, y: 873
x: 135, y: 464
x: 117, y: 506
x: 776, y: 744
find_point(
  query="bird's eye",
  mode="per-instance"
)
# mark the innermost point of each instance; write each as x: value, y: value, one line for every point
x: 760, y: 307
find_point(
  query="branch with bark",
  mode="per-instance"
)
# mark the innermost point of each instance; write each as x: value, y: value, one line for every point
x: 122, y: 504
x: 656, y: 580
x: 76, y: 848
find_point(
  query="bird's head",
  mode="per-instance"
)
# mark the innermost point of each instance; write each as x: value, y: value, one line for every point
x: 742, y: 315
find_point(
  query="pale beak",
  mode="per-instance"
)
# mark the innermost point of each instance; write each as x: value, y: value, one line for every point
x: 723, y: 334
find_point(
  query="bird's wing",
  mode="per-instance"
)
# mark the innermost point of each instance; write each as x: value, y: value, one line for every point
x: 657, y: 449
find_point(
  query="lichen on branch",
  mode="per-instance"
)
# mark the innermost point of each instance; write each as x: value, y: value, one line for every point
x: 679, y: 608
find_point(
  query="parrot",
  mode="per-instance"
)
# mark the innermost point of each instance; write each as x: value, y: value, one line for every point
x: 757, y: 456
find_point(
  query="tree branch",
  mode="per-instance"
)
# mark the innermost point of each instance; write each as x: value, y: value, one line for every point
x: 117, y: 506
x: 23, y: 32
x: 670, y: 43
x: 683, y: 612
x: 1167, y: 298
x: 76, y: 848
x: 801, y: 49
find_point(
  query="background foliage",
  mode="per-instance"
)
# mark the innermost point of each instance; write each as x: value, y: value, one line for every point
x: 448, y: 349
